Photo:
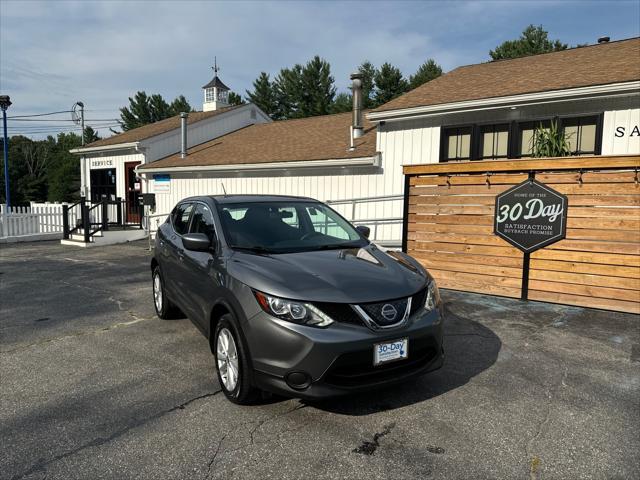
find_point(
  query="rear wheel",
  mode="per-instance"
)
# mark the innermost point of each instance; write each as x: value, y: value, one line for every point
x: 164, y: 308
x: 232, y: 363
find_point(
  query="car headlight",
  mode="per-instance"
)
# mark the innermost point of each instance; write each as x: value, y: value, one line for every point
x: 433, y: 296
x: 296, y: 312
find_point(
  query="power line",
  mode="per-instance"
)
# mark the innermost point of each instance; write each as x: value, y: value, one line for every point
x: 40, y: 114
x: 64, y: 120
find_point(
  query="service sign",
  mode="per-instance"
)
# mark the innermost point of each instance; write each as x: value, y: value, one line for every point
x: 530, y: 216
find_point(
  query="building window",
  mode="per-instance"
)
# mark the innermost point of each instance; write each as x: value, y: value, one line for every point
x: 457, y: 144
x: 208, y: 95
x: 494, y: 141
x: 581, y: 134
x: 526, y: 137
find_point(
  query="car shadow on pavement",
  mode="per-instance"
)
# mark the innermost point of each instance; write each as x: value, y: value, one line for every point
x: 470, y: 349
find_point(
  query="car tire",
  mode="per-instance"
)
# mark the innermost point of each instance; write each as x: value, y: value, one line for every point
x: 164, y: 308
x: 232, y: 363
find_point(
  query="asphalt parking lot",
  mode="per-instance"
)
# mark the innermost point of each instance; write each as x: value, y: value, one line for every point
x: 93, y: 385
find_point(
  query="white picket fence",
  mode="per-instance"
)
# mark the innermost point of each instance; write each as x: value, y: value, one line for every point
x: 39, y: 221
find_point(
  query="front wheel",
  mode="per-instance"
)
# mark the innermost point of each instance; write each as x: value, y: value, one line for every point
x: 232, y: 363
x: 164, y: 308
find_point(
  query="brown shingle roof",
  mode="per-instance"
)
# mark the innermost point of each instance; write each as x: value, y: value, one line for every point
x: 577, y: 67
x: 315, y: 138
x: 157, y: 128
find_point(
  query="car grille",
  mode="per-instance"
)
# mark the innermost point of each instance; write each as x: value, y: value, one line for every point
x: 377, y: 311
x: 356, y: 368
x: 344, y: 313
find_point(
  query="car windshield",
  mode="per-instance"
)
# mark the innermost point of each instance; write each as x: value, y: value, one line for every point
x: 286, y: 226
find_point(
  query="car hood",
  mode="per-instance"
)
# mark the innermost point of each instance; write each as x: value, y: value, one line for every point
x: 351, y: 275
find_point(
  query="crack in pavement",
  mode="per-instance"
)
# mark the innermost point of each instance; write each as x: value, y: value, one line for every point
x: 41, y: 465
x: 212, y: 462
x: 135, y: 320
x: 534, y: 460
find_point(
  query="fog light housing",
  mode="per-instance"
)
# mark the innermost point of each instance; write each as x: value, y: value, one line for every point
x: 298, y: 380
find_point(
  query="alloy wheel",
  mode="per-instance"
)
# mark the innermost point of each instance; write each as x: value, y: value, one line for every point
x: 227, y: 359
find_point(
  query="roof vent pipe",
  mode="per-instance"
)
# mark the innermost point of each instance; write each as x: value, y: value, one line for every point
x: 603, y: 39
x: 183, y: 129
x: 356, y: 91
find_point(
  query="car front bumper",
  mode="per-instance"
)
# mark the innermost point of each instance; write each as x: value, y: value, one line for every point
x: 338, y: 360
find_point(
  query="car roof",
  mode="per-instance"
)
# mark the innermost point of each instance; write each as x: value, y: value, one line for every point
x: 223, y: 199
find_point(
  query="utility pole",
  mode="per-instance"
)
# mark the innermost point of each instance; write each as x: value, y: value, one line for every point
x: 5, y: 103
x: 81, y: 105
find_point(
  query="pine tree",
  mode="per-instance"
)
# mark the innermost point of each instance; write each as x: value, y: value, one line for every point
x: 389, y: 84
x: 425, y: 73
x: 532, y: 41
x: 287, y: 87
x: 235, y: 99
x: 263, y: 94
x: 342, y: 103
x: 179, y: 105
x: 317, y: 89
x: 90, y: 135
x: 144, y: 109
x: 368, y: 85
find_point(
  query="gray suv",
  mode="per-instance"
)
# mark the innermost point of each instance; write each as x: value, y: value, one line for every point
x: 293, y: 298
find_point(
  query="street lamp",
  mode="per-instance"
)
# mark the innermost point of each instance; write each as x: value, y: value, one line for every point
x: 5, y: 103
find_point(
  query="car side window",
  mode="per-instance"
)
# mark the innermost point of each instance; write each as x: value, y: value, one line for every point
x: 180, y: 218
x: 202, y: 221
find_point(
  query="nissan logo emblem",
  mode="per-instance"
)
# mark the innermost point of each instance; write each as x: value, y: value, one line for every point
x: 389, y: 312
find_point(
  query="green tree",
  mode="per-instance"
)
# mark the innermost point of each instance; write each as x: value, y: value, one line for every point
x: 64, y: 169
x: 287, y: 87
x: 179, y: 105
x: 532, y: 41
x: 342, y: 103
x: 425, y: 73
x: 144, y: 109
x: 317, y: 90
x: 90, y: 135
x: 235, y: 99
x: 389, y: 84
x: 368, y: 72
x: 263, y: 94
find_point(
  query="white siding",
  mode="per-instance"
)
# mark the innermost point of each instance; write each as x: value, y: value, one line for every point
x: 621, y: 132
x: 118, y: 164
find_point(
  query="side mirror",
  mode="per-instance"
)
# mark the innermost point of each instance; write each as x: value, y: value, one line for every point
x: 365, y: 231
x: 197, y: 242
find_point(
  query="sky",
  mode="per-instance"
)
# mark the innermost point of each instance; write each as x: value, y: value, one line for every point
x: 56, y: 52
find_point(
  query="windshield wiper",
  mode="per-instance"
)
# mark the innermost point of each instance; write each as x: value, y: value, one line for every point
x: 336, y: 246
x: 252, y: 248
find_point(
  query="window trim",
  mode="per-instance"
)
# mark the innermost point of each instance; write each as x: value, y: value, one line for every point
x: 444, y: 145
x: 213, y: 218
x: 173, y: 227
x: 514, y: 141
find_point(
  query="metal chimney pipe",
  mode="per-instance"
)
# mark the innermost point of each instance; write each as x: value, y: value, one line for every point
x: 356, y: 91
x: 183, y: 128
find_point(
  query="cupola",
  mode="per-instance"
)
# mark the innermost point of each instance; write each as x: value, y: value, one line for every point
x: 216, y: 93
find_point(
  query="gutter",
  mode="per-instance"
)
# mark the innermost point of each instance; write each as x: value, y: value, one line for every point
x: 106, y: 148
x: 613, y: 89
x: 374, y: 161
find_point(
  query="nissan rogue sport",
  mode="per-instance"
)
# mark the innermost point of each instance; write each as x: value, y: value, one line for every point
x: 293, y: 298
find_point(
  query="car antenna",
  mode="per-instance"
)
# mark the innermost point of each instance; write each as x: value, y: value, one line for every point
x: 223, y: 189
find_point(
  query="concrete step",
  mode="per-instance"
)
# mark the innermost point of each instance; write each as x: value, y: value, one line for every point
x: 106, y: 238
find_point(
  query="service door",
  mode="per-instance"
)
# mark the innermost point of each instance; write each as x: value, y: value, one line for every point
x: 133, y: 190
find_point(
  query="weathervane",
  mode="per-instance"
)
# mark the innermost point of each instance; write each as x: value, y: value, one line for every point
x: 215, y: 66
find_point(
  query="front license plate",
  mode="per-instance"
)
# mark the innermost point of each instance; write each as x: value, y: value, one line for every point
x: 390, y: 351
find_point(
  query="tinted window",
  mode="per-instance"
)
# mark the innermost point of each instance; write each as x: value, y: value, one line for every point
x: 180, y: 218
x: 281, y: 227
x: 202, y: 221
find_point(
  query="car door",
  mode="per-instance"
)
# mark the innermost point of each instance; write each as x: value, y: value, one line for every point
x: 173, y: 268
x: 203, y: 272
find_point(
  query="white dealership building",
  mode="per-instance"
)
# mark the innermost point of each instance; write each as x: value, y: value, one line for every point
x: 483, y: 111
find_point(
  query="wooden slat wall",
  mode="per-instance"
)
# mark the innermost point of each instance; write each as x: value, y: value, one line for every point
x: 450, y: 230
